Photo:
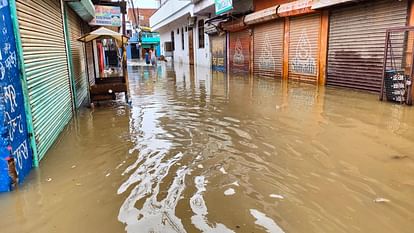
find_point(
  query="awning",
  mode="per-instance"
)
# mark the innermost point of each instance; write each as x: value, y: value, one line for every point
x: 318, y: 4
x: 262, y: 16
x: 102, y: 33
x: 234, y: 25
x: 84, y: 8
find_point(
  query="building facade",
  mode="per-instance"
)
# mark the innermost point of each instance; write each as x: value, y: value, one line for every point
x: 44, y: 75
x: 337, y: 43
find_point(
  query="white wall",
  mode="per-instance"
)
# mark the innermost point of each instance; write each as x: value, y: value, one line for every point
x: 203, y: 55
x: 180, y: 55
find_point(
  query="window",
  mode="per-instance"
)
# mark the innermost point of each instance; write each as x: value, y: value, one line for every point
x: 178, y: 31
x: 201, y: 34
x: 172, y: 41
x: 182, y: 38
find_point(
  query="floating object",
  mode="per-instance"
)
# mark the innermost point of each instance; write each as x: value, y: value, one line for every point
x: 73, y: 166
x: 223, y: 170
x: 276, y: 196
x: 381, y: 200
x: 108, y: 174
x: 229, y: 192
x: 200, y: 166
x: 49, y: 179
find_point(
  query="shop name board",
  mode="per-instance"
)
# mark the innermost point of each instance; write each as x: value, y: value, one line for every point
x: 296, y: 5
x: 223, y: 6
x: 107, y: 16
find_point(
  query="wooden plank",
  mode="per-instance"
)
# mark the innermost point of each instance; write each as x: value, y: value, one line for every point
x: 323, y: 47
x: 285, y: 73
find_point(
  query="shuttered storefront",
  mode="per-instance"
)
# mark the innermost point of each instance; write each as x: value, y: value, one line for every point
x: 268, y: 49
x: 304, y: 47
x: 45, y: 63
x: 239, y: 56
x: 77, y: 50
x: 218, y: 53
x: 356, y: 42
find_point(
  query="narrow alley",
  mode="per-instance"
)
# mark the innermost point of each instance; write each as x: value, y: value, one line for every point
x: 201, y: 152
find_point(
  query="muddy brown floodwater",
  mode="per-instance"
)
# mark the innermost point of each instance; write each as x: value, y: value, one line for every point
x: 199, y: 152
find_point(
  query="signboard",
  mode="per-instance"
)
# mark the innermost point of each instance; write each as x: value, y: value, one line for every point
x: 15, y: 153
x: 107, y: 16
x: 296, y: 5
x: 223, y: 6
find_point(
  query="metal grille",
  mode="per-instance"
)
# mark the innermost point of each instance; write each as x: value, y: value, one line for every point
x: 78, y: 57
x: 268, y: 49
x: 303, y: 48
x: 356, y: 42
x: 44, y: 54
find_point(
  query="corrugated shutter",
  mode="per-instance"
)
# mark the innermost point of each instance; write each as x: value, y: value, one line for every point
x: 239, y: 56
x: 268, y: 49
x: 356, y: 42
x: 77, y: 50
x: 218, y: 53
x: 303, y: 48
x: 44, y: 54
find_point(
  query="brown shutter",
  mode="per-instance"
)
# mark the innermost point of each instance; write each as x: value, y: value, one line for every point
x: 218, y: 53
x: 239, y: 56
x: 356, y: 42
x: 268, y: 49
x: 303, y: 47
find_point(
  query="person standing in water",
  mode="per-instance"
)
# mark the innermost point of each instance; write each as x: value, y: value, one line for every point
x: 153, y: 57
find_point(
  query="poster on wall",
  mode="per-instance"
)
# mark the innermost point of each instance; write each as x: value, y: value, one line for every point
x: 107, y: 16
x: 223, y: 6
x: 218, y: 53
x: 15, y: 154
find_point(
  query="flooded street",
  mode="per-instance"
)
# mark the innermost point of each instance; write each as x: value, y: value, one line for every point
x: 199, y: 152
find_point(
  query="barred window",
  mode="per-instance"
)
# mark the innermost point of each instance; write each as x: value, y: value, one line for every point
x: 201, y: 34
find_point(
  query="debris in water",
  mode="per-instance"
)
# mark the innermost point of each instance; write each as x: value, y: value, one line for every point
x: 223, y: 170
x: 49, y: 179
x: 200, y: 166
x: 381, y: 200
x: 399, y: 156
x: 276, y: 196
x: 108, y: 174
x: 235, y: 183
x: 229, y: 192
x: 73, y: 166
x: 78, y: 184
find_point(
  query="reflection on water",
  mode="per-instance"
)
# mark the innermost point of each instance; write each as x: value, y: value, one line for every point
x: 200, y: 152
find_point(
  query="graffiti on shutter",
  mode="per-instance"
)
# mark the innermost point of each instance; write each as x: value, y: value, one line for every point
x: 303, y: 62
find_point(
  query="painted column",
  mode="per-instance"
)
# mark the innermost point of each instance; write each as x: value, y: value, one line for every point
x: 15, y: 153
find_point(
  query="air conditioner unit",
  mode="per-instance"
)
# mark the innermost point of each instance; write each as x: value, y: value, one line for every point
x: 192, y: 22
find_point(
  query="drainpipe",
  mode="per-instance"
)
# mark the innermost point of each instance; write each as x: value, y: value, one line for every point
x: 68, y: 54
x: 23, y: 78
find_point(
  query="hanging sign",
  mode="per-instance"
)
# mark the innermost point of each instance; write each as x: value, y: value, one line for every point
x: 223, y: 6
x: 107, y: 16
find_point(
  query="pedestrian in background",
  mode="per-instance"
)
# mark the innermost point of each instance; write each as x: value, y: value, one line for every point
x: 153, y: 57
x: 147, y: 57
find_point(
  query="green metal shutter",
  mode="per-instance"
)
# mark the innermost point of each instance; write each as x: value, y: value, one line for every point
x: 45, y: 64
x: 77, y: 51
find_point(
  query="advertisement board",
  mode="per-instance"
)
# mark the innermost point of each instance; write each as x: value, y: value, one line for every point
x: 223, y: 6
x: 107, y: 16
